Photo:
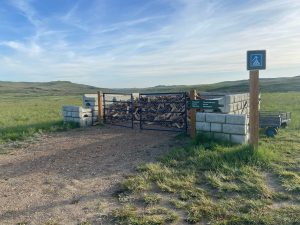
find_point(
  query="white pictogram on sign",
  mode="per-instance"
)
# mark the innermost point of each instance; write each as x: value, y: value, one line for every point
x: 255, y: 61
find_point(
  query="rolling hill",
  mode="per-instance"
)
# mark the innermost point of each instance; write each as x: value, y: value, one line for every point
x: 283, y: 84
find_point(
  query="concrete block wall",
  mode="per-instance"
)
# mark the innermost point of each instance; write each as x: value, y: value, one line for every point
x: 90, y: 101
x: 77, y: 114
x: 233, y: 103
x: 226, y: 127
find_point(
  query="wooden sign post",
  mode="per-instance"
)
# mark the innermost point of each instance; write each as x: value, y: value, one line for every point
x: 256, y: 60
x: 100, y: 107
x: 193, y: 95
x: 254, y: 111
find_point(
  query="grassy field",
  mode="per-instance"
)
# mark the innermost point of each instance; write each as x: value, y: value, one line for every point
x: 200, y: 181
x: 208, y: 182
x: 22, y: 117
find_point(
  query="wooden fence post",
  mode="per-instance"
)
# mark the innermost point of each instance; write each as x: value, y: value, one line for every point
x: 100, y: 107
x: 193, y: 95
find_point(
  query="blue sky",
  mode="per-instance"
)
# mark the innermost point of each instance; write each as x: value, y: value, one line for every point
x: 141, y: 43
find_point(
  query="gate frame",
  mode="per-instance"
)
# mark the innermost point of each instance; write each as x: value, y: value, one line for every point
x: 130, y: 110
x: 185, y: 113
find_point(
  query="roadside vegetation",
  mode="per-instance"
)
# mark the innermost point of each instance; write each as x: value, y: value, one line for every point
x: 198, y: 181
x: 22, y: 117
x: 210, y: 182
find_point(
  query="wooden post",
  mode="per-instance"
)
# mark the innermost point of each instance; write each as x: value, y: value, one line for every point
x: 254, y: 111
x: 193, y: 95
x: 100, y: 107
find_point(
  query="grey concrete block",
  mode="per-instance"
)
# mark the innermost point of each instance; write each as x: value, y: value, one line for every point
x: 222, y: 136
x: 236, y: 119
x: 81, y: 114
x: 227, y: 108
x: 90, y: 104
x: 239, y: 139
x: 70, y: 108
x: 235, y: 106
x: 215, y: 118
x: 216, y: 127
x: 68, y: 119
x: 234, y: 129
x: 200, y: 117
x: 202, y: 126
x: 221, y: 101
x: 229, y: 99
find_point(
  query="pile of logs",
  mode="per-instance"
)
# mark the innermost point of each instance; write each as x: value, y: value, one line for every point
x: 156, y: 110
x: 163, y: 110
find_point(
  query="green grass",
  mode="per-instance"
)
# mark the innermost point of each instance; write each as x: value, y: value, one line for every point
x: 212, y: 182
x: 23, y: 117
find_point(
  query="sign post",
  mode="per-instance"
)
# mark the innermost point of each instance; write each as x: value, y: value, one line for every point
x: 193, y: 112
x: 100, y: 107
x: 256, y: 60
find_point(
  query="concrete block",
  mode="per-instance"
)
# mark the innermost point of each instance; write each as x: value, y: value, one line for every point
x: 239, y: 139
x: 202, y: 126
x: 67, y: 119
x: 236, y: 119
x: 81, y: 114
x: 221, y: 101
x: 229, y: 99
x: 235, y: 106
x: 216, y: 127
x: 222, y: 136
x: 215, y: 118
x: 200, y: 117
x: 240, y: 105
x: 236, y: 98
x: 90, y: 104
x: 234, y: 129
x: 227, y: 108
x: 70, y: 108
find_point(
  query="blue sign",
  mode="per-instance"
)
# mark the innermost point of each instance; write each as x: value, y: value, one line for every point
x: 256, y: 60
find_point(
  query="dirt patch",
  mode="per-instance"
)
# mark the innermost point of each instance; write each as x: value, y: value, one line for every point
x: 69, y: 177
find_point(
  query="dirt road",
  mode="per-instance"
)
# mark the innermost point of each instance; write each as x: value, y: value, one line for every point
x: 69, y: 177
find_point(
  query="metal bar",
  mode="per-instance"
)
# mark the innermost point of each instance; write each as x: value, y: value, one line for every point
x: 104, y: 114
x: 141, y: 112
x: 163, y: 93
x: 162, y: 111
x: 159, y: 102
x: 132, y: 111
x: 119, y: 125
x: 117, y: 101
x: 117, y: 110
x: 115, y: 93
x: 160, y: 121
x: 172, y: 130
x: 186, y: 115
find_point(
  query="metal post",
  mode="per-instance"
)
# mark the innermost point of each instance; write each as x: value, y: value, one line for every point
x: 193, y: 95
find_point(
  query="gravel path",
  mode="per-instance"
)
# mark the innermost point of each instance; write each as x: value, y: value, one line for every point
x: 69, y: 177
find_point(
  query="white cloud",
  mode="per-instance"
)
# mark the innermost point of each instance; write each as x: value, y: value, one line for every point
x: 197, y: 38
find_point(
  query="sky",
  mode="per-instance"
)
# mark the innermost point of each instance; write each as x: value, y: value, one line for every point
x: 143, y: 43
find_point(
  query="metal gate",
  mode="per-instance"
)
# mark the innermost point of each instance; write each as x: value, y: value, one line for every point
x: 117, y: 109
x: 155, y: 111
x: 163, y: 111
